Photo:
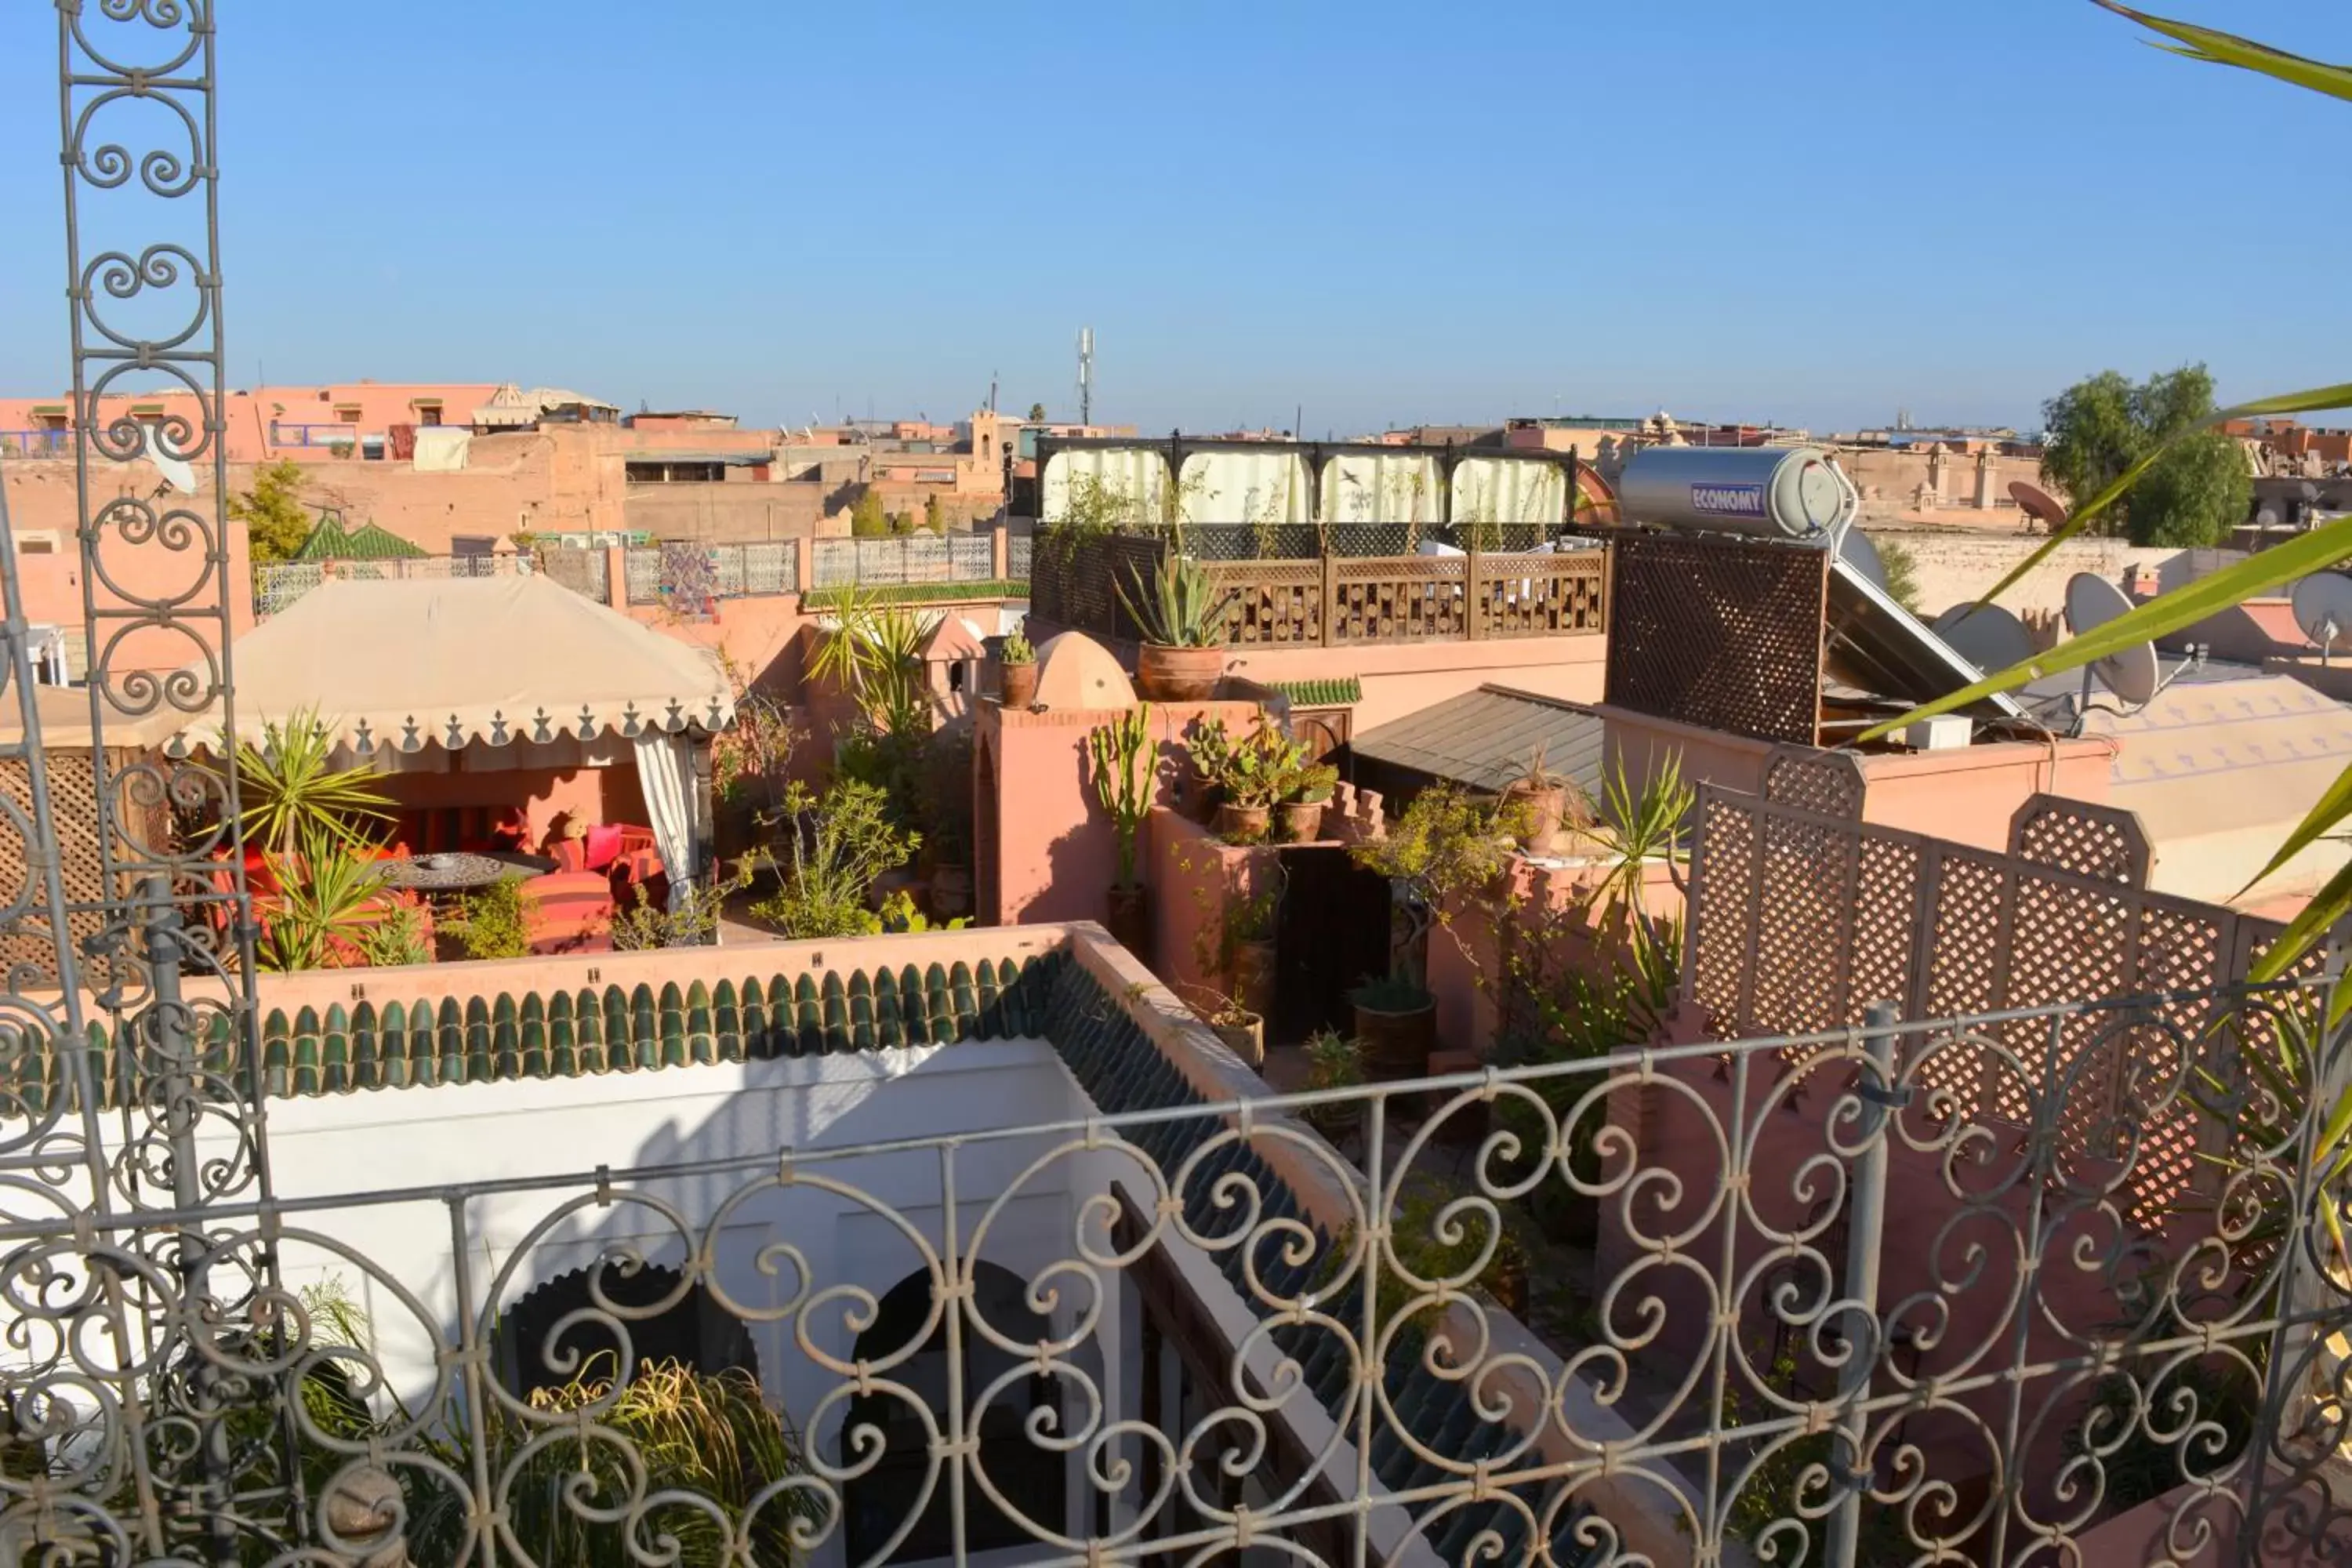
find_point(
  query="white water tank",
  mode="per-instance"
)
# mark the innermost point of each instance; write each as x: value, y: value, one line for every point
x: 1779, y: 492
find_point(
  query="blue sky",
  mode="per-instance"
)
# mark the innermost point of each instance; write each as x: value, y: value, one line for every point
x: 1811, y: 211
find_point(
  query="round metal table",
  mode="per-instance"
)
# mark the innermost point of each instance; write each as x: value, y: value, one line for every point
x: 461, y: 872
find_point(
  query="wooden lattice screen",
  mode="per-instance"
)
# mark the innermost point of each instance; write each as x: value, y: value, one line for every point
x: 73, y: 805
x: 1723, y: 634
x: 1076, y: 583
x: 1800, y: 915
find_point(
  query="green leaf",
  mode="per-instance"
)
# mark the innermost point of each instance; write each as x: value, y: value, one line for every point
x: 2184, y: 607
x: 2228, y: 50
x: 2326, y: 907
x: 2304, y: 402
x: 2330, y: 809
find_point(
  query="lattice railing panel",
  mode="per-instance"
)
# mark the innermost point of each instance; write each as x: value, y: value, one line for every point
x: 1274, y: 602
x: 1416, y: 599
x: 1942, y: 929
x: 1543, y: 595
x: 1721, y: 634
x: 2104, y: 843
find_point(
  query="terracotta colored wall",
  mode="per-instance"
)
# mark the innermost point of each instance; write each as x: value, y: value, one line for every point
x: 52, y: 588
x: 1969, y: 796
x: 1639, y: 744
x: 598, y: 795
x: 247, y: 413
x: 1466, y: 968
x: 1193, y: 876
x: 1406, y: 678
x: 1055, y: 850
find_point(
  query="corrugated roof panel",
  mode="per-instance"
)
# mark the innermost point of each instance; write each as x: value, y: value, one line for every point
x: 1486, y: 739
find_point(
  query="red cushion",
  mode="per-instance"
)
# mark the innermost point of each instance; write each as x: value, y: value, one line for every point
x: 604, y: 844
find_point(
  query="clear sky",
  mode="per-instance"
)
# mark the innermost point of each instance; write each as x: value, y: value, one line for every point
x: 1812, y: 211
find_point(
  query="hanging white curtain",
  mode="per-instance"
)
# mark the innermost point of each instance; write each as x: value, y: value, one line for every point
x: 665, y: 773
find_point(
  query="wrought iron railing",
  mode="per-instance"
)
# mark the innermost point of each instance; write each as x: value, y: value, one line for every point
x: 1612, y: 1309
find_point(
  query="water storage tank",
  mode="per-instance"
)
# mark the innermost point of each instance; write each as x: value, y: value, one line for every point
x: 1779, y: 493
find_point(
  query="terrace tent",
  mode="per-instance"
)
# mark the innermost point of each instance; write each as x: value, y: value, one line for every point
x: 498, y: 668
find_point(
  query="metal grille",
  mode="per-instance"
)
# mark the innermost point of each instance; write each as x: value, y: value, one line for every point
x: 644, y: 567
x: 1017, y: 551
x: 584, y: 572
x: 1720, y: 634
x: 282, y: 583
x: 750, y: 571
x: 917, y: 558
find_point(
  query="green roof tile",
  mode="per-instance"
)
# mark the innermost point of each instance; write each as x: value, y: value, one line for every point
x: 333, y: 540
x: 1336, y: 693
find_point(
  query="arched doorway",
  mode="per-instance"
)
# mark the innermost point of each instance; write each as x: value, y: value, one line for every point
x: 1031, y: 1479
x: 694, y: 1330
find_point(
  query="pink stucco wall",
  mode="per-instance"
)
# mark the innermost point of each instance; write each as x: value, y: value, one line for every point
x: 248, y: 415
x: 1194, y: 876
x: 52, y: 586
x: 594, y: 795
x: 1405, y: 678
x: 1464, y: 965
x: 1967, y: 795
x: 1056, y: 852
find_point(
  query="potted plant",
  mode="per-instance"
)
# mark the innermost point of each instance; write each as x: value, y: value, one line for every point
x: 1242, y: 1030
x: 1182, y: 618
x: 1447, y: 847
x: 1017, y: 685
x: 1335, y: 1061
x: 1542, y: 797
x: 1309, y: 793
x: 1252, y: 776
x: 1208, y: 753
x: 1247, y: 941
x: 1122, y: 780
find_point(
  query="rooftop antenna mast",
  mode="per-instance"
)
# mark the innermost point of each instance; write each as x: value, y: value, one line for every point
x: 1086, y: 375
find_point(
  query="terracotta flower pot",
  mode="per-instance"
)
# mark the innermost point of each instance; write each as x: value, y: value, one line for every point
x: 1018, y: 687
x: 1544, y: 808
x: 1164, y: 674
x: 1198, y: 797
x: 1397, y: 1040
x: 1129, y: 923
x: 1245, y: 1035
x: 1242, y: 823
x: 1302, y: 821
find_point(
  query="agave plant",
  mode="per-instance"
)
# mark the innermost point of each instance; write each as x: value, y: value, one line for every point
x: 294, y: 790
x: 1181, y: 608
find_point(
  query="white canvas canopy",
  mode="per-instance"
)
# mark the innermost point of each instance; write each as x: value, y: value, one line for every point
x: 467, y: 661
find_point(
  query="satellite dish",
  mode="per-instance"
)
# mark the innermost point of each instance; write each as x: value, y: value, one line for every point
x: 1858, y: 552
x: 177, y: 474
x: 2323, y: 608
x: 2038, y: 504
x: 1985, y: 634
x: 2092, y: 601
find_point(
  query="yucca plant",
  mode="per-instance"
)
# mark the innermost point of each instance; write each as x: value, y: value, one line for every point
x: 291, y: 789
x: 329, y: 899
x: 873, y: 651
x: 1181, y: 608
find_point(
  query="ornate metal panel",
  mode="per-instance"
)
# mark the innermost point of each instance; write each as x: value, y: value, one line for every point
x: 1719, y: 633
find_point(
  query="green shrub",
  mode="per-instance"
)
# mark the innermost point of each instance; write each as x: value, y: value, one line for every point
x: 495, y: 923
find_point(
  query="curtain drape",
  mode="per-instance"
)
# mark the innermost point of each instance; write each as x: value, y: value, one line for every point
x: 665, y: 771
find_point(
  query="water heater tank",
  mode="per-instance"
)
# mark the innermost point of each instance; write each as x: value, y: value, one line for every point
x: 1779, y: 493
